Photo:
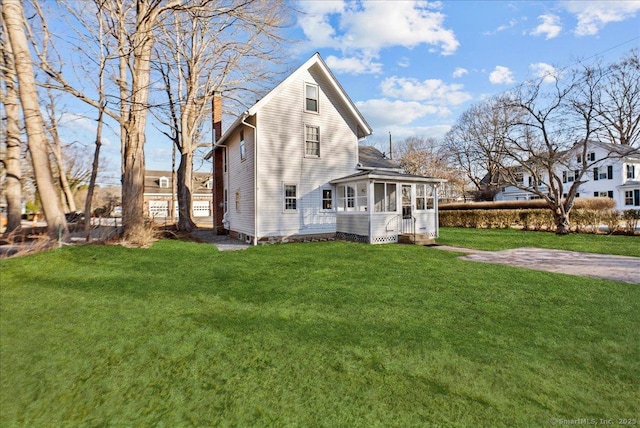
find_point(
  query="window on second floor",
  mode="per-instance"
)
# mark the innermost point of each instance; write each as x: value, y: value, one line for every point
x: 631, y: 171
x: 603, y: 173
x: 591, y: 156
x: 519, y: 177
x: 312, y: 141
x: 163, y: 182
x: 570, y: 176
x: 310, y: 97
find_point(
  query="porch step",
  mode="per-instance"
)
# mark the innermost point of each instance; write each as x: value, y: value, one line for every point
x: 420, y: 239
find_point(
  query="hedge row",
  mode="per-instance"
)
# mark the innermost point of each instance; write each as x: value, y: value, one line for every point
x: 582, y: 220
x: 599, y: 204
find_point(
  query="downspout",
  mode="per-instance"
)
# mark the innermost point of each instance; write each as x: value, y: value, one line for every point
x: 255, y: 178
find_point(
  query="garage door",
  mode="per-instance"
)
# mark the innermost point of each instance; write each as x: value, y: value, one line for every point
x: 159, y: 208
x: 201, y: 209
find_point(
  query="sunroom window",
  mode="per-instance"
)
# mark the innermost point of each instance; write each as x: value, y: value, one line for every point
x: 384, y: 195
x: 424, y: 197
x: 352, y: 197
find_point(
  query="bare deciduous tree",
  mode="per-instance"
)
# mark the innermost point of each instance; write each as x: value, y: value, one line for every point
x: 13, y: 14
x: 544, y: 128
x: 12, y: 146
x: 618, y: 103
x: 426, y: 157
x: 474, y: 142
x: 207, y: 50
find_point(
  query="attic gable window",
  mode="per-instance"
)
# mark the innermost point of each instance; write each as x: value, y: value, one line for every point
x: 310, y: 97
x: 163, y: 182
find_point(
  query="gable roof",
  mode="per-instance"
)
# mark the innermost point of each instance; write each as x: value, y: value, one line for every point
x: 152, y: 182
x: 316, y: 60
x: 370, y: 157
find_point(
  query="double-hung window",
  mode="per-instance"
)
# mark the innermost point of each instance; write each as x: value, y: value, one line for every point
x: 290, y: 197
x: 628, y: 197
x: 327, y: 199
x: 603, y: 173
x: 631, y: 171
x: 310, y: 97
x: 312, y: 141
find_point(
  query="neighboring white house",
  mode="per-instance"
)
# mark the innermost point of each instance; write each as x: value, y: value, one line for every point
x: 614, y: 172
x: 291, y: 168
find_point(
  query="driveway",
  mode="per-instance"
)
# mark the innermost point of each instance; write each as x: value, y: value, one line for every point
x: 617, y: 268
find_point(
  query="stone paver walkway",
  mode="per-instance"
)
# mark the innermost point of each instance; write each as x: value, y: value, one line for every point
x: 617, y: 268
x: 222, y: 242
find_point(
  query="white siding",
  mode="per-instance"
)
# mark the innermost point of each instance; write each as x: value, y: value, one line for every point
x: 281, y: 157
x: 355, y: 223
x: 240, y: 179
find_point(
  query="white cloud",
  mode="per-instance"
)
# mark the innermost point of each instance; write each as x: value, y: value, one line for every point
x: 382, y: 113
x: 459, y: 72
x: 354, y: 65
x: 512, y: 23
x: 427, y: 90
x: 404, y: 62
x: 550, y: 26
x: 380, y: 138
x: 544, y: 71
x: 501, y: 75
x: 315, y: 23
x: 594, y: 15
x: 372, y: 26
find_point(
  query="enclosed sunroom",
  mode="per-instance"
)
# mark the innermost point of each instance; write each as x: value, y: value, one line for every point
x: 380, y: 207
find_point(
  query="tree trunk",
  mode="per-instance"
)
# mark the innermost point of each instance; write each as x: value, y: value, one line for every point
x: 92, y: 180
x: 184, y: 190
x: 135, y: 127
x: 13, y: 188
x: 561, y: 219
x: 13, y: 14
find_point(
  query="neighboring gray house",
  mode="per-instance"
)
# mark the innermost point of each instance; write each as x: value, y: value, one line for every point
x: 291, y: 168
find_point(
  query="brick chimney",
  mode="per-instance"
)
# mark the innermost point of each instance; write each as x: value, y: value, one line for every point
x: 216, y: 115
x: 218, y: 164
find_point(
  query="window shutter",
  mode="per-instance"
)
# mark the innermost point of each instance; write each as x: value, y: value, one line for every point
x: 595, y: 173
x: 596, y: 194
x: 564, y: 176
x: 610, y: 172
x: 610, y: 194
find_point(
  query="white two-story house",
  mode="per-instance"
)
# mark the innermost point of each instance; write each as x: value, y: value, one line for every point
x: 291, y: 168
x: 614, y: 172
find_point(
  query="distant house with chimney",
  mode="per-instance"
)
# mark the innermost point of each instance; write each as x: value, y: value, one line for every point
x: 160, y: 198
x: 291, y: 168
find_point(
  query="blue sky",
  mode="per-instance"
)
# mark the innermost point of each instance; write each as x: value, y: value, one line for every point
x: 412, y: 67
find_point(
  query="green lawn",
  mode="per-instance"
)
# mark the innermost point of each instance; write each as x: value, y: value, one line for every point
x: 320, y: 334
x: 503, y: 239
